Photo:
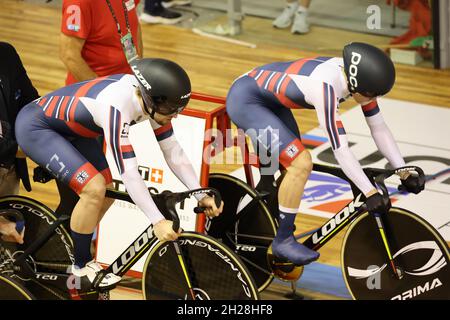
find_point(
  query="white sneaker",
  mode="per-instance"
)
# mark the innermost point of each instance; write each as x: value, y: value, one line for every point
x: 96, y: 275
x: 285, y: 19
x: 172, y: 3
x: 300, y: 26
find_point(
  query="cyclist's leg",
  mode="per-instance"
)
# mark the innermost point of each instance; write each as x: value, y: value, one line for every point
x: 247, y: 111
x: 267, y: 182
x: 54, y: 152
x: 92, y: 150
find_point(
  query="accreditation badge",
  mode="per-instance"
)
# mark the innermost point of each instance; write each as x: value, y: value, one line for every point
x: 128, y: 47
x: 130, y: 5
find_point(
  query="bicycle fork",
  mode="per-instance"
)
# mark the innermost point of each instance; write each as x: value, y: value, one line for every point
x: 182, y: 261
x: 387, y: 247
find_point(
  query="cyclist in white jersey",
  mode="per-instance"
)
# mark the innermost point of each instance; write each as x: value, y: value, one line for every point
x: 259, y: 102
x: 58, y: 131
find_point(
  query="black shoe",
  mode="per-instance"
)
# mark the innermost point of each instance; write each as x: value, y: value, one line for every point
x: 163, y: 16
x: 172, y: 3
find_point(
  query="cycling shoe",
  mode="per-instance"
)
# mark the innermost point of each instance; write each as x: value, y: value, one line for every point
x: 288, y: 248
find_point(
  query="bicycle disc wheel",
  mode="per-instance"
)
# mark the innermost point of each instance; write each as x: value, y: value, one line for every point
x: 55, y: 255
x: 215, y: 272
x: 419, y: 252
x: 11, y: 289
x: 249, y: 235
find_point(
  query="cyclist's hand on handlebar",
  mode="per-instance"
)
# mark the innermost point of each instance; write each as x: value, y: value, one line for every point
x: 376, y: 204
x: 164, y: 232
x: 210, y: 205
x: 412, y: 184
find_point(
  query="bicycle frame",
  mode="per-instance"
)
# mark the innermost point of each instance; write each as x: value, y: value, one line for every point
x: 136, y: 249
x: 63, y: 281
x: 120, y: 266
x: 340, y: 220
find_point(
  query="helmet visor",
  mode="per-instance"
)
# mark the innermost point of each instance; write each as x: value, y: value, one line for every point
x: 160, y: 105
x: 165, y: 108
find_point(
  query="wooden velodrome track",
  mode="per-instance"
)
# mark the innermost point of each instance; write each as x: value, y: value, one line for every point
x: 212, y: 65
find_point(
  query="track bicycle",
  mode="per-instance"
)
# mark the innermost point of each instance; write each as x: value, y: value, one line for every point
x: 398, y: 255
x: 195, y: 266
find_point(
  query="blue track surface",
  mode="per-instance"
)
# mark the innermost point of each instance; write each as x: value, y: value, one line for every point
x: 322, y: 278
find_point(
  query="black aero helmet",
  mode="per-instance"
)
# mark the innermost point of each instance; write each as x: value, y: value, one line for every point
x: 164, y: 85
x: 369, y: 70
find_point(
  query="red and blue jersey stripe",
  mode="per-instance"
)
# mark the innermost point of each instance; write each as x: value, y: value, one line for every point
x: 114, y: 138
x: 281, y: 86
x: 73, y: 112
x: 340, y: 127
x: 127, y: 152
x: 164, y: 132
x: 275, y: 79
x: 330, y: 111
x: 88, y: 89
x: 371, y: 109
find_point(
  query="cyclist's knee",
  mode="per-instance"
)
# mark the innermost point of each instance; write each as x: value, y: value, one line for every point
x: 94, y: 190
x: 302, y: 166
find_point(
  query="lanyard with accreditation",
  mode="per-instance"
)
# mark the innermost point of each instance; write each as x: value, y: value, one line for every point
x: 127, y: 40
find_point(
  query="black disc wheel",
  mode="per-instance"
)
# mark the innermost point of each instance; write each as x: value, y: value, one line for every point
x: 420, y: 255
x: 12, y: 289
x: 245, y: 225
x: 214, y: 271
x: 55, y: 255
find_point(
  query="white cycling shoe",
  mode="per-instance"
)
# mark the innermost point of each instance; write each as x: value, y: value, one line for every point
x: 96, y: 275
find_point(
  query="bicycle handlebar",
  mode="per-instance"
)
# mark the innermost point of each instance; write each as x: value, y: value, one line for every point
x: 380, y: 175
x: 167, y: 200
x: 376, y: 175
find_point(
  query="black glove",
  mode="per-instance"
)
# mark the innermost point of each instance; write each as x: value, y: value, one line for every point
x: 412, y: 184
x: 375, y: 204
x: 42, y: 175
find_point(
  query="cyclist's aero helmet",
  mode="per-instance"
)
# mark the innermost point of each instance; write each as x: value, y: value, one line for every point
x: 369, y: 70
x: 164, y: 85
